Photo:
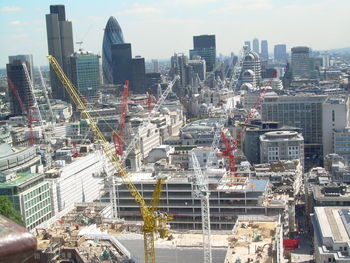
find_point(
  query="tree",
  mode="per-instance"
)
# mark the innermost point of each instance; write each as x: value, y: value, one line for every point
x: 7, y: 209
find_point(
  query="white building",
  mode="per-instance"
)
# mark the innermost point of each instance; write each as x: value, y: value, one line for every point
x: 331, y: 234
x: 78, y: 181
x: 281, y: 145
x: 335, y: 116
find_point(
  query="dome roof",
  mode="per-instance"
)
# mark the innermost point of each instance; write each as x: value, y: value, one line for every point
x: 251, y: 55
x: 247, y: 86
x: 248, y: 73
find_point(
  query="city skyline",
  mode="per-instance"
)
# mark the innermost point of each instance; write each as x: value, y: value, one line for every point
x: 158, y: 29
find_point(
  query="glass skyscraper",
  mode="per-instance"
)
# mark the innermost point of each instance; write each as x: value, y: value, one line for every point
x: 113, y: 35
x: 85, y: 72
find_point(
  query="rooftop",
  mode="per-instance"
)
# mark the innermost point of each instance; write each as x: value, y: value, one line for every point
x: 253, y: 240
x: 21, y: 178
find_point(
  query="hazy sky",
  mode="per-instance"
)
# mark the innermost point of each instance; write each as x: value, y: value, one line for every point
x: 158, y: 28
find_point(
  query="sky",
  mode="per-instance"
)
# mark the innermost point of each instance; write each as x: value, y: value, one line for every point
x: 159, y: 28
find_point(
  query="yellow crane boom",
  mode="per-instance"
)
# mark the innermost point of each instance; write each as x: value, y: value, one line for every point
x: 151, y: 220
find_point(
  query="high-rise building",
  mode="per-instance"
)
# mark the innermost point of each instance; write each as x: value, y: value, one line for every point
x: 300, y: 63
x: 256, y: 46
x: 247, y: 43
x: 113, y: 35
x: 251, y: 70
x: 155, y: 63
x: 60, y: 45
x: 121, y: 63
x: 27, y: 58
x: 301, y: 111
x: 198, y: 67
x: 15, y: 72
x: 264, y: 50
x: 205, y: 46
x: 152, y: 81
x: 138, y: 76
x: 85, y: 72
x: 280, y: 53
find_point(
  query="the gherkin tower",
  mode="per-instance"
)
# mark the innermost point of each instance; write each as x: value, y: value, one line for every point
x: 113, y: 35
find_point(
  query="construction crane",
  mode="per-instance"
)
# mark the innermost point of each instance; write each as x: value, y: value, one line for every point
x: 24, y: 110
x: 231, y: 149
x: 151, y: 218
x: 30, y: 82
x: 201, y: 191
x: 118, y: 138
x: 229, y: 105
x: 144, y: 126
x: 46, y: 94
x: 149, y: 102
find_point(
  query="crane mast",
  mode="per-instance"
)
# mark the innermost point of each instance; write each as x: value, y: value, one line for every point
x: 30, y: 82
x: 144, y: 126
x: 148, y: 212
x: 201, y: 191
x: 53, y: 119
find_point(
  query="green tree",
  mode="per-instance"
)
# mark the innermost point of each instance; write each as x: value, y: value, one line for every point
x: 7, y: 209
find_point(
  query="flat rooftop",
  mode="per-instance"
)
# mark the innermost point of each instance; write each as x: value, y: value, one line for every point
x: 334, y: 222
x: 21, y: 178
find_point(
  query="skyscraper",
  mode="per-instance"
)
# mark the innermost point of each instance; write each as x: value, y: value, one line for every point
x: 300, y: 63
x: 264, y: 50
x: 121, y: 63
x: 280, y: 53
x: 247, y: 43
x: 138, y: 76
x: 27, y: 58
x: 205, y: 47
x: 85, y: 72
x: 256, y: 46
x: 15, y: 72
x: 113, y: 35
x: 155, y: 63
x: 60, y: 45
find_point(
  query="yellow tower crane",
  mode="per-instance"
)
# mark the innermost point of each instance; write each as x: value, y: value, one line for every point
x: 153, y: 221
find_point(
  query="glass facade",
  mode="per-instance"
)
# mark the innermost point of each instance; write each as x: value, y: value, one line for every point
x: 113, y: 35
x: 85, y: 72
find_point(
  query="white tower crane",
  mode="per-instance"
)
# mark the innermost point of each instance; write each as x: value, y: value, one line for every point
x: 46, y: 94
x: 30, y: 82
x: 201, y: 191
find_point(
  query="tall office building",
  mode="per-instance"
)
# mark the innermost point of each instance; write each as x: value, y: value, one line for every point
x: 280, y: 53
x: 300, y: 63
x: 27, y: 58
x: 256, y: 46
x: 85, y: 72
x: 205, y: 47
x: 251, y: 70
x: 121, y: 63
x: 138, y: 76
x: 113, y: 35
x: 264, y: 50
x: 155, y: 63
x: 60, y: 45
x: 15, y: 72
x: 247, y: 43
x: 301, y: 111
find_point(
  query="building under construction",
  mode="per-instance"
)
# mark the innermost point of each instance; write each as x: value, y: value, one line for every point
x: 229, y: 197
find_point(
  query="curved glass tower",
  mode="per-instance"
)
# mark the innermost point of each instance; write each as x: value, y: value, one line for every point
x: 113, y: 35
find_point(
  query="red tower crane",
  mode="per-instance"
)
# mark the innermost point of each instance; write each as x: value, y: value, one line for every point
x: 118, y: 137
x: 25, y: 110
x: 231, y: 149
